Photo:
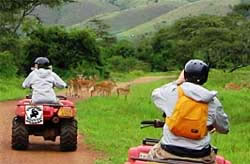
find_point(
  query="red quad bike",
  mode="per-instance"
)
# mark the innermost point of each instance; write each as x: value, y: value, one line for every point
x: 47, y: 120
x: 137, y: 155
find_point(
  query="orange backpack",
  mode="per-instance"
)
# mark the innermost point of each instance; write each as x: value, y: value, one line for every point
x: 189, y: 118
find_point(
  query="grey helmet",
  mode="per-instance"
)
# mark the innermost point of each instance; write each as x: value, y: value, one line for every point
x: 42, y: 62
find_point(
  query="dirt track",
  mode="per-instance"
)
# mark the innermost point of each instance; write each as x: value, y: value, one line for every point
x: 41, y: 152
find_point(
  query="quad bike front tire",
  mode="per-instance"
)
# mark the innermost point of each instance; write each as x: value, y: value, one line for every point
x: 20, y: 135
x: 68, y: 135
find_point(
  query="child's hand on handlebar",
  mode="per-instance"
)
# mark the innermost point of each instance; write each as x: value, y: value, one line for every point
x: 158, y: 123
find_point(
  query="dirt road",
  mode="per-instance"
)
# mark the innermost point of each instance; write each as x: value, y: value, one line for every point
x: 41, y: 152
x: 38, y: 152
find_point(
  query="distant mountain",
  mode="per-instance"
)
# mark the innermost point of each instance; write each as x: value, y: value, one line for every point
x: 120, y: 21
x: 126, y: 4
x: 131, y: 18
x: 210, y: 7
x: 73, y: 13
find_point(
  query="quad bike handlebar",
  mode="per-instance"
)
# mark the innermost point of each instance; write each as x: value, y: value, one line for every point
x: 159, y: 124
x: 155, y: 123
x: 61, y: 97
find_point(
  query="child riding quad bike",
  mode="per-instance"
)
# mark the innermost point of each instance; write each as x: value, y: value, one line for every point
x: 138, y: 155
x: 44, y: 113
x: 191, y: 112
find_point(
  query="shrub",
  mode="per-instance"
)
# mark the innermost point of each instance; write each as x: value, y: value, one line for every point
x: 7, y: 65
x: 66, y: 49
x: 121, y: 64
x: 223, y: 42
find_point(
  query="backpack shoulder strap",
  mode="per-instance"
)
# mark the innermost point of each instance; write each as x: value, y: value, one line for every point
x: 180, y: 91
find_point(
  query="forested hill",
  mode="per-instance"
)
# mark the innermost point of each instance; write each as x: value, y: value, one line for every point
x: 130, y: 18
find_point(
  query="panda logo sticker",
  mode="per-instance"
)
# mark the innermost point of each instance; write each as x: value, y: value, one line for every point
x: 34, y: 115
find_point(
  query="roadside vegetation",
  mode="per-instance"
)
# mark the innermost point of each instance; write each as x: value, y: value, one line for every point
x: 112, y: 124
x: 11, y: 88
x: 214, y: 39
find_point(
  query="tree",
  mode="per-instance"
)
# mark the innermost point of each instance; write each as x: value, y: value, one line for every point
x: 7, y: 65
x: 65, y: 48
x: 102, y: 32
x: 124, y: 48
x: 223, y: 42
x: 242, y: 9
x: 14, y: 12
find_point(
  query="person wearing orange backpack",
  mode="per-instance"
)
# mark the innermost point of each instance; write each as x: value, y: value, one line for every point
x: 191, y: 111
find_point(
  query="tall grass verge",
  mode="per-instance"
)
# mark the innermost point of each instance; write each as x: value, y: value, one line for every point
x: 11, y: 88
x: 112, y: 124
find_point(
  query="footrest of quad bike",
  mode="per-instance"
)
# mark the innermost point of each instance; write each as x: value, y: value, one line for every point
x: 169, y: 161
x: 150, y: 141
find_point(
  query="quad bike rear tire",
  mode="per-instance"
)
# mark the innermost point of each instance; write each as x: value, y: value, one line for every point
x: 20, y: 135
x: 68, y: 135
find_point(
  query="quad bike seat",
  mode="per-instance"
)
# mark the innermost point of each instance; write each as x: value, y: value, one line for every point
x: 59, y: 104
x: 61, y: 97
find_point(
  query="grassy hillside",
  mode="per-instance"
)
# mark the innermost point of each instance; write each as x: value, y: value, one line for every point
x: 125, y: 4
x: 138, y: 17
x: 211, y: 7
x: 120, y: 21
x: 112, y: 124
x: 73, y: 13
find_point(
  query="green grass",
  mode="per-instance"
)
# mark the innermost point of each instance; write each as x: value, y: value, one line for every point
x: 112, y: 125
x: 11, y: 88
x: 236, y: 103
x: 210, y: 7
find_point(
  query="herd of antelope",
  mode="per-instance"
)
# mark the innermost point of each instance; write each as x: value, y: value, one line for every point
x: 80, y: 86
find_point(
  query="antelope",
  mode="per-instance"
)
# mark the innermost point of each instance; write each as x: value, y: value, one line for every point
x: 232, y: 86
x: 77, y: 85
x: 123, y: 90
x: 69, y: 90
x: 85, y: 84
x: 73, y: 88
x: 104, y: 87
x: 245, y: 85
